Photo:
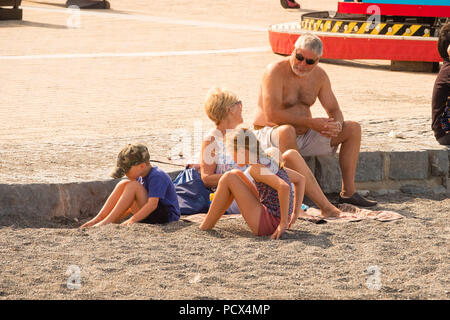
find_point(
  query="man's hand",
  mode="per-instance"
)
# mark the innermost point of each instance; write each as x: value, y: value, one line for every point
x: 333, y: 129
x: 319, y: 124
x: 327, y: 127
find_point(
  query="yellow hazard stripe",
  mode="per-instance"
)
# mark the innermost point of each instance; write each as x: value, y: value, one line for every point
x: 412, y: 29
x: 350, y: 27
x: 317, y: 25
x: 393, y: 29
x: 362, y: 29
x: 336, y: 26
x: 326, y: 26
x: 378, y: 28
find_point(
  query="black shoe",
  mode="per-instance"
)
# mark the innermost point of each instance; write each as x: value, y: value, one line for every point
x: 88, y: 4
x: 289, y: 4
x: 357, y: 200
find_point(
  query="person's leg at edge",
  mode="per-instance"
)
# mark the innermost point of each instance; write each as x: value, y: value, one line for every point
x: 133, y: 192
x: 445, y: 140
x: 231, y: 184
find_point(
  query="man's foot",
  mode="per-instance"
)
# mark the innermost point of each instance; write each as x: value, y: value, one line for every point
x: 357, y: 200
x: 289, y: 4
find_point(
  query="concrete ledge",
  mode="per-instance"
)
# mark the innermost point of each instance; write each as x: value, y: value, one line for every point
x: 410, y: 172
x: 51, y: 200
x: 414, y: 66
x: 387, y: 170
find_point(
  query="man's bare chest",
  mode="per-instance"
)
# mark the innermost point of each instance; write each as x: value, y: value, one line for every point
x: 299, y: 95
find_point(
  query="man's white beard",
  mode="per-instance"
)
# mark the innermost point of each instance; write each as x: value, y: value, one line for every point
x: 300, y: 73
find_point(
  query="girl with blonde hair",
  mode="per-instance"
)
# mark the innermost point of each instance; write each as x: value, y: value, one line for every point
x: 269, y: 204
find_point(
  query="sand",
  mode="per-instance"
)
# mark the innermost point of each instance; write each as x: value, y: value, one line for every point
x: 179, y: 261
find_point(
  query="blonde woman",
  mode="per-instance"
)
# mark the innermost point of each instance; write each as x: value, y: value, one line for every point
x: 225, y: 109
x: 268, y: 205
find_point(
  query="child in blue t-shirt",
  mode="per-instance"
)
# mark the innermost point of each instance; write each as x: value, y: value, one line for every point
x: 148, y: 194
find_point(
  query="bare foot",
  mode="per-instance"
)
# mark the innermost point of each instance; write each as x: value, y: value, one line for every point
x: 331, y: 212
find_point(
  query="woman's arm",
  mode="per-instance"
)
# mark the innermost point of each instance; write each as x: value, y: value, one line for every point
x: 208, y: 163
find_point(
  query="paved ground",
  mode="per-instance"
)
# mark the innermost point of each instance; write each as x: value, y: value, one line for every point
x: 72, y: 97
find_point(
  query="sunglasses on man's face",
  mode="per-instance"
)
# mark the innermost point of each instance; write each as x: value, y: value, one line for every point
x: 300, y: 58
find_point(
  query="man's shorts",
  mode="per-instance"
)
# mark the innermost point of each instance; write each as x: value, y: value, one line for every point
x: 312, y: 143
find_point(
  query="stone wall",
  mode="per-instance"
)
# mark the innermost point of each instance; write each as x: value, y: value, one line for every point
x: 378, y: 172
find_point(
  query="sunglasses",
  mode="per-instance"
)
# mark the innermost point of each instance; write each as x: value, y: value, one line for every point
x: 300, y: 58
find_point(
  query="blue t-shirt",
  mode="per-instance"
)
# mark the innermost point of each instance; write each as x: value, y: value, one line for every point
x: 159, y: 185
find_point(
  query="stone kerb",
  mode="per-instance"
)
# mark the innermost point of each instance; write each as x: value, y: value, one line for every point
x: 426, y: 169
x: 50, y: 200
x: 411, y: 171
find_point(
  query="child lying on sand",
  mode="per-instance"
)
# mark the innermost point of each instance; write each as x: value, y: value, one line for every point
x: 268, y: 206
x: 148, y: 194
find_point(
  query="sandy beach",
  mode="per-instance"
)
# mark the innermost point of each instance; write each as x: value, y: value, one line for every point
x: 73, y: 97
x: 179, y: 261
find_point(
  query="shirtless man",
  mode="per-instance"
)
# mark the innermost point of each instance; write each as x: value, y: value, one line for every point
x: 289, y: 89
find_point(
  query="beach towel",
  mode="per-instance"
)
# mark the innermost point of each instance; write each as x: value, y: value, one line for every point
x: 199, y: 217
x: 352, y: 213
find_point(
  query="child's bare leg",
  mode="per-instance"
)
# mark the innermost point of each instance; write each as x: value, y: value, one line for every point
x: 133, y: 191
x: 109, y: 204
x: 232, y: 185
x: 295, y: 161
x: 131, y: 210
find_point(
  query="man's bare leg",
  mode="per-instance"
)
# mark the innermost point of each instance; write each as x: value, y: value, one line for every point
x: 295, y: 161
x: 287, y: 140
x: 350, y: 141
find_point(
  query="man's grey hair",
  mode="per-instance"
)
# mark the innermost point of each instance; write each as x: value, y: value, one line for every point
x: 311, y: 42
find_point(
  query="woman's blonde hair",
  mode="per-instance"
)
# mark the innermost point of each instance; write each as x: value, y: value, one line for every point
x: 218, y: 103
x: 242, y: 137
